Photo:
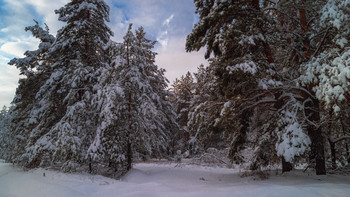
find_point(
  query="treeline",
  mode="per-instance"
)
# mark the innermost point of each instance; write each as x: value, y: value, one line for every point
x: 277, y: 86
x: 276, y: 90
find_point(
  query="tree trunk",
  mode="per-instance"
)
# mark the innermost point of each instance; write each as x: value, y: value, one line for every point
x: 286, y: 166
x: 90, y: 165
x: 346, y: 142
x: 347, y: 152
x: 129, y: 156
x: 333, y: 156
x: 315, y: 134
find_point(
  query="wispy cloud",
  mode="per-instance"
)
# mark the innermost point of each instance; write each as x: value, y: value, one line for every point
x: 168, y: 20
x: 163, y: 36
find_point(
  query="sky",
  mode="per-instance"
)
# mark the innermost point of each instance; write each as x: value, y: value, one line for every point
x: 166, y: 21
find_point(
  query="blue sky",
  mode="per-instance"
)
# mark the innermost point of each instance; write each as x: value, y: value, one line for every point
x: 167, y: 21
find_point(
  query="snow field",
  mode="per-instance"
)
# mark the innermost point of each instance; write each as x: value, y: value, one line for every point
x: 170, y: 180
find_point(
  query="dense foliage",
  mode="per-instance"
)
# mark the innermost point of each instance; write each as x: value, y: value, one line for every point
x: 276, y: 90
x: 88, y: 103
x: 278, y: 72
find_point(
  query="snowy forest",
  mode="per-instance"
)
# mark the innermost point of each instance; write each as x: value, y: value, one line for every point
x: 275, y: 92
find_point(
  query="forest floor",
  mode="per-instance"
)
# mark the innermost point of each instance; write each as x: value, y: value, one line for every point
x: 170, y: 180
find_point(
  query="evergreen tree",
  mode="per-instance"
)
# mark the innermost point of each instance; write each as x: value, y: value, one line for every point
x: 35, y: 61
x: 4, y: 132
x: 203, y: 111
x: 77, y: 54
x: 237, y: 34
x: 36, y: 68
x: 302, y: 41
x: 326, y: 73
x: 250, y: 79
x: 87, y: 99
x: 3, y: 113
x: 137, y: 117
x: 183, y: 89
x: 150, y: 115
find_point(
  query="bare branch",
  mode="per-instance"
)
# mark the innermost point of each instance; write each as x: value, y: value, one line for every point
x: 321, y: 43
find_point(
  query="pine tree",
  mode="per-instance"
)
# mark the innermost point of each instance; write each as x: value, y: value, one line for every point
x: 136, y: 118
x: 203, y: 111
x: 35, y: 61
x: 249, y: 77
x: 151, y: 117
x: 4, y: 132
x: 36, y: 68
x: 77, y: 54
x: 236, y: 34
x: 183, y: 89
x: 326, y: 73
x: 301, y: 39
x: 109, y: 146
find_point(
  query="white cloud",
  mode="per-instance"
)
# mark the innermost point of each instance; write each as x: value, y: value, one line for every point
x: 6, y: 97
x: 44, y: 7
x: 47, y: 11
x: 177, y: 61
x: 4, y: 30
x: 2, y: 58
x: 168, y: 20
x: 18, y: 47
x: 8, y: 82
x: 163, y: 37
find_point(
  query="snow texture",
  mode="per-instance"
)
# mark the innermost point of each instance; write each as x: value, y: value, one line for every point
x: 163, y: 179
x: 329, y: 71
x: 247, y: 67
x: 292, y: 140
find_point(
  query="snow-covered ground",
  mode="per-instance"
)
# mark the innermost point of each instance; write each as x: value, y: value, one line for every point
x: 167, y: 180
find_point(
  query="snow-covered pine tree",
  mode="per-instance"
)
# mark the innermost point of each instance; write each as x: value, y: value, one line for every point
x: 35, y: 61
x: 302, y: 38
x: 150, y: 115
x: 327, y: 73
x: 250, y: 79
x: 165, y: 124
x: 3, y: 113
x: 135, y: 115
x: 183, y: 89
x: 237, y: 34
x: 4, y: 132
x: 77, y: 54
x: 36, y: 68
x: 202, y: 112
x: 109, y: 146
x: 329, y: 70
